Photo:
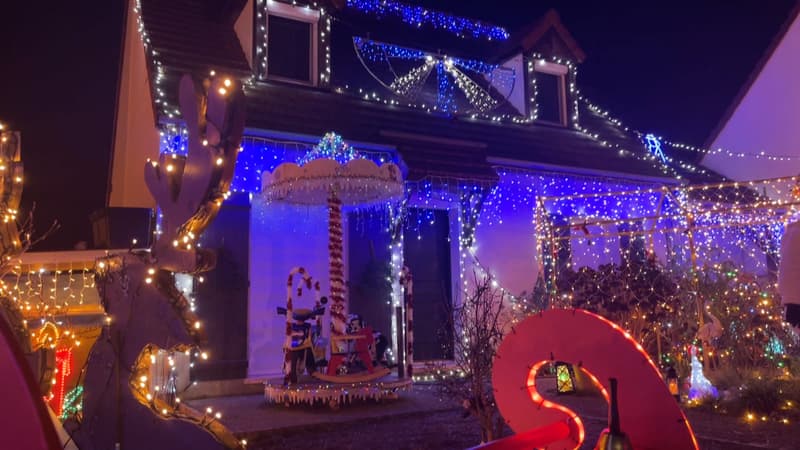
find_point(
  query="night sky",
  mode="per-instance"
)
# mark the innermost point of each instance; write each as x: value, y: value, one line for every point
x: 665, y: 67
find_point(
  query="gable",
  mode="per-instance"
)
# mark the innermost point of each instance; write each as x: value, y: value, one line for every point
x: 764, y: 117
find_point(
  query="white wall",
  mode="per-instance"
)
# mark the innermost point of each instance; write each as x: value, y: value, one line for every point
x: 505, y: 245
x: 281, y: 237
x: 136, y: 137
x: 767, y: 119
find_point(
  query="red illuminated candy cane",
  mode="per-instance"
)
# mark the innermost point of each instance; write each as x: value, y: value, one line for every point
x: 648, y: 413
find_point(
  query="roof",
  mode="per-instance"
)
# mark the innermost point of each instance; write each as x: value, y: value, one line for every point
x: 547, y: 35
x: 195, y: 35
x: 433, y: 144
x: 188, y: 39
x: 751, y: 79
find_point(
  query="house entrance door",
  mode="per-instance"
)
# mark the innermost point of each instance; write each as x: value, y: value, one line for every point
x: 426, y: 252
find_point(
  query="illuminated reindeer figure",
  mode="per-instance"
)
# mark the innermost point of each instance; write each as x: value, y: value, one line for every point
x: 146, y: 312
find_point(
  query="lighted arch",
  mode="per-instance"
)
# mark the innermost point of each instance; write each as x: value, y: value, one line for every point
x: 648, y: 413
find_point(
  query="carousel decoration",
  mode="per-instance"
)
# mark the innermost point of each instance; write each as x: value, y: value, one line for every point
x: 334, y: 175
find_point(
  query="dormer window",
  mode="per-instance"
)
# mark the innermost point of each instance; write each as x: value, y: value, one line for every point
x: 292, y: 43
x: 551, y: 92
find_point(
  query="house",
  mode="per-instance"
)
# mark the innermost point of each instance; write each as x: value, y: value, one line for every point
x: 480, y: 120
x: 757, y: 136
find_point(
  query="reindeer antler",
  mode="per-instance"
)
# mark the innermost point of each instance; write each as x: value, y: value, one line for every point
x: 190, y: 189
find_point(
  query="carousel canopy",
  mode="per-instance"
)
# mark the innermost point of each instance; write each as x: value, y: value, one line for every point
x: 332, y: 166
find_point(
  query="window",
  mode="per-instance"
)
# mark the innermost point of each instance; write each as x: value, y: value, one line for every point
x: 292, y: 43
x: 551, y: 97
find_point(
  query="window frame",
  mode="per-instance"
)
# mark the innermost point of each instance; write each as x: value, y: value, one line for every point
x: 560, y: 71
x: 299, y: 14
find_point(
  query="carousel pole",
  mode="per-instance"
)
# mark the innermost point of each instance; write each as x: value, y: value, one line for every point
x: 336, y: 272
x: 407, y: 281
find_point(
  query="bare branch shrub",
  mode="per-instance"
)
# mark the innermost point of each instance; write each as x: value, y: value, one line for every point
x: 478, y: 324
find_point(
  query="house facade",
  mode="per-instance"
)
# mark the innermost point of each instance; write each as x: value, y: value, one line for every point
x: 758, y: 134
x: 482, y: 121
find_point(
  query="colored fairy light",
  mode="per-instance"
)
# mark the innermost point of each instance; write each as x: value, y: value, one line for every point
x: 331, y: 146
x: 418, y: 16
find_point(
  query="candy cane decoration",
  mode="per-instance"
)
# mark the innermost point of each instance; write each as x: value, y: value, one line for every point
x: 649, y: 414
x: 335, y: 235
x: 308, y: 281
x: 407, y: 281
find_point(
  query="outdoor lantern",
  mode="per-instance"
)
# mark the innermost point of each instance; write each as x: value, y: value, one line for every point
x: 673, y: 383
x: 565, y: 379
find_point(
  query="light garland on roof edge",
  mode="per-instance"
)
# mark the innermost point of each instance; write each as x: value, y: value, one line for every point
x: 418, y: 16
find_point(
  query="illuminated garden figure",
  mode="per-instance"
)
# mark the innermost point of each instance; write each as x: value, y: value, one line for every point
x: 654, y: 147
x: 700, y: 386
x: 650, y: 416
x: 146, y: 313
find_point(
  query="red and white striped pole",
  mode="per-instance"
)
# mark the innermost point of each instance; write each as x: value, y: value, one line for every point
x: 407, y: 281
x: 336, y: 272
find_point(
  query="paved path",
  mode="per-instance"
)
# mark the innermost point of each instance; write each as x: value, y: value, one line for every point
x: 251, y: 413
x: 420, y: 420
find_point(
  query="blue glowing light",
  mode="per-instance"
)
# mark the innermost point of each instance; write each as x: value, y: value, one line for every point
x: 380, y: 51
x: 419, y: 16
x: 654, y: 147
x: 450, y: 73
x: 258, y: 155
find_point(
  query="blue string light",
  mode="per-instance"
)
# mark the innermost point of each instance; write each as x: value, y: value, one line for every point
x: 444, y: 97
x: 378, y: 51
x: 654, y: 147
x: 258, y: 155
x: 419, y: 16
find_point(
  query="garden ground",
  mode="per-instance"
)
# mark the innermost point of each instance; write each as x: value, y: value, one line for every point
x: 420, y: 420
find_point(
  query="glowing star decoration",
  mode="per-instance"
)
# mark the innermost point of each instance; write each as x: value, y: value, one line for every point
x: 654, y: 147
x: 701, y: 387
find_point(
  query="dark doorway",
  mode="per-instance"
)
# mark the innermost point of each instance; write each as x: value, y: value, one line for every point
x: 369, y: 272
x: 426, y: 252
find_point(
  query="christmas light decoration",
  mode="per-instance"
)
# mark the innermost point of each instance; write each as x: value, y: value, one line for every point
x: 63, y: 370
x: 322, y: 36
x: 413, y: 82
x: 654, y: 146
x: 331, y: 146
x: 73, y: 403
x: 700, y: 388
x: 418, y: 16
